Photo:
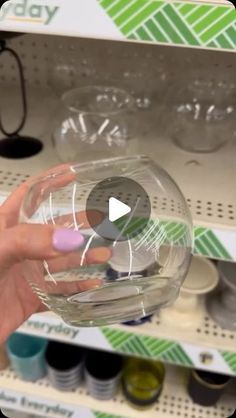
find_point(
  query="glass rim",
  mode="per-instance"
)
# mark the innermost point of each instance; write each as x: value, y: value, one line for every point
x: 89, y: 166
x: 130, y: 104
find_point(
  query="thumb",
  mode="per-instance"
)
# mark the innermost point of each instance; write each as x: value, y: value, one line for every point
x: 36, y: 242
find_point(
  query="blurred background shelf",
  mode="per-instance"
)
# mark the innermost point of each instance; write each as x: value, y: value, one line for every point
x: 202, y: 24
x: 40, y: 398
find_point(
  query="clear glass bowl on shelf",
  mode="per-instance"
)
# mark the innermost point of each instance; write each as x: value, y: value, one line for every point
x: 202, y: 115
x: 158, y: 223
x: 94, y: 122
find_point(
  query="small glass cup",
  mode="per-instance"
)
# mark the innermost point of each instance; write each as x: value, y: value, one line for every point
x: 27, y: 356
x: 94, y: 122
x: 143, y: 382
x: 65, y: 365
x: 203, y: 116
x: 206, y: 388
x: 102, y: 374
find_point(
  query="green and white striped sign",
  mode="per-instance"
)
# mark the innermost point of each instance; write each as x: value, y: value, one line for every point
x: 178, y: 23
x: 149, y: 347
x: 171, y: 352
x: 193, y: 23
x: 209, y: 244
x: 230, y: 359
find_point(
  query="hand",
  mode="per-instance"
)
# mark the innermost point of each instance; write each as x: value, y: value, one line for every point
x: 20, y: 242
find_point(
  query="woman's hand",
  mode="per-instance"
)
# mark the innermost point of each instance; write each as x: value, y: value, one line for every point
x: 58, y: 246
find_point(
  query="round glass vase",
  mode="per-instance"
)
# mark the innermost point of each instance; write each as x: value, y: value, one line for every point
x: 166, y: 236
x: 94, y: 122
x: 203, y: 116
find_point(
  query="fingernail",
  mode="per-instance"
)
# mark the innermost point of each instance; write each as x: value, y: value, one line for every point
x: 66, y: 240
x: 99, y: 255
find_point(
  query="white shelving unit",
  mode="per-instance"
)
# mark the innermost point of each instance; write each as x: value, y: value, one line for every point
x: 205, y: 345
x: 196, y: 24
x: 44, y: 400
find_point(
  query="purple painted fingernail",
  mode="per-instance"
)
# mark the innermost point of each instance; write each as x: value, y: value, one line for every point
x: 65, y: 240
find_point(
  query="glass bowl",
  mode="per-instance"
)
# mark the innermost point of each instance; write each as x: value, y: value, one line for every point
x: 94, y: 122
x: 203, y: 116
x: 159, y: 223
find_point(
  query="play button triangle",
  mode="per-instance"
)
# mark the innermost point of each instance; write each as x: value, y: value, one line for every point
x: 117, y: 209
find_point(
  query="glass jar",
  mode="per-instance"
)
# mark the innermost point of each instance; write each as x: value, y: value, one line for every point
x: 143, y: 381
x: 94, y: 122
x: 203, y: 115
x: 158, y: 223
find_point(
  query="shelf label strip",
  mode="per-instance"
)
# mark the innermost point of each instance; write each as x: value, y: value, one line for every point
x: 47, y: 408
x: 128, y: 343
x: 181, y: 23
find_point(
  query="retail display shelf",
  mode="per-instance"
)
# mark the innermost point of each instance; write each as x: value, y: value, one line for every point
x: 208, y: 24
x: 207, y: 180
x: 41, y: 398
x: 202, y: 344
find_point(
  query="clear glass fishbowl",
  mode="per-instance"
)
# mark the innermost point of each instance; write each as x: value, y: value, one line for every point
x: 203, y: 115
x: 127, y: 206
x: 94, y: 122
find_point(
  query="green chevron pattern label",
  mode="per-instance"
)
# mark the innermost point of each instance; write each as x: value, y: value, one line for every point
x: 147, y: 347
x: 230, y: 359
x: 179, y: 23
x: 206, y: 243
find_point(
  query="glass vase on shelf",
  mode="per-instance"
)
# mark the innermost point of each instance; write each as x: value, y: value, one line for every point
x: 94, y: 122
x: 202, y: 115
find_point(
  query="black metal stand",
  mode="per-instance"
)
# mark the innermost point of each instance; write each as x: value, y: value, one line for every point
x: 2, y: 415
x: 14, y: 145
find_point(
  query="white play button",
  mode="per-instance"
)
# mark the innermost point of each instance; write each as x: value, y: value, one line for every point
x: 117, y: 209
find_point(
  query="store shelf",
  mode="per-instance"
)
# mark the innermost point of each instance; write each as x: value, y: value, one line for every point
x: 207, y: 180
x: 202, y: 24
x: 202, y: 344
x: 42, y: 399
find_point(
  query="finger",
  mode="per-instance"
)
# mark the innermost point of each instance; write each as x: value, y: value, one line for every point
x: 82, y: 220
x: 44, y: 188
x: 71, y: 288
x: 36, y: 242
x: 70, y: 284
x: 12, y: 204
x: 99, y: 255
